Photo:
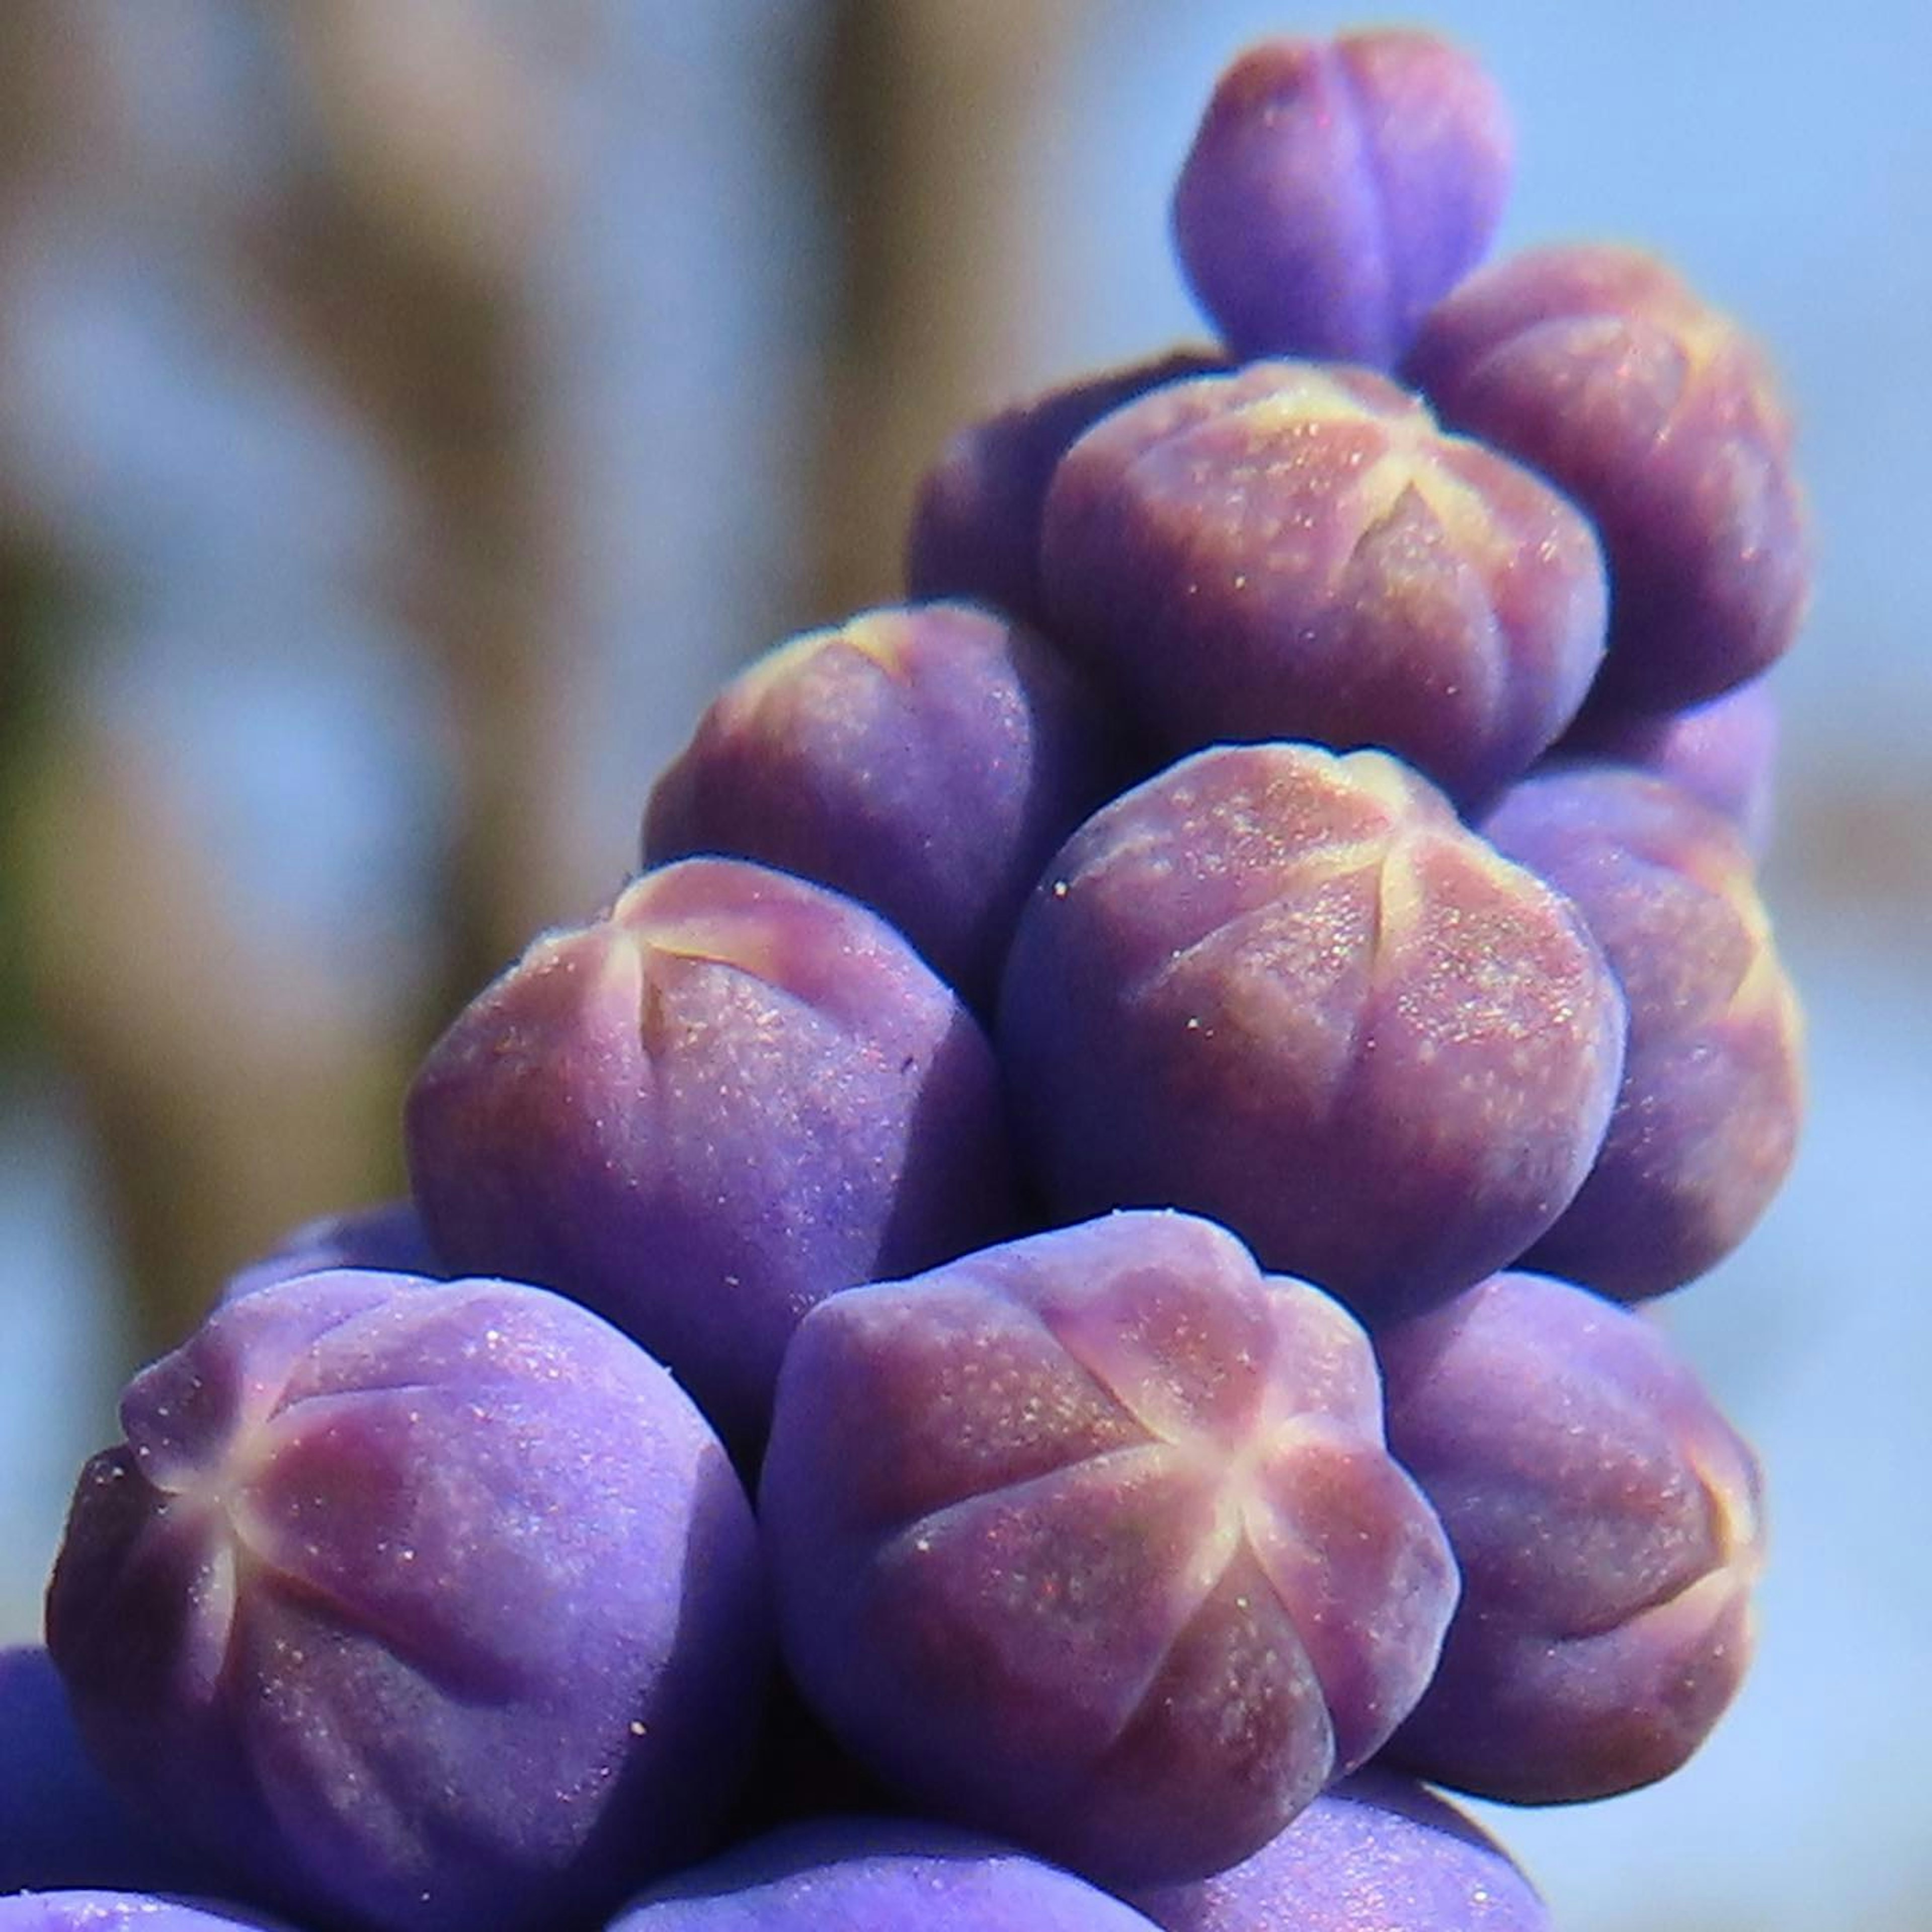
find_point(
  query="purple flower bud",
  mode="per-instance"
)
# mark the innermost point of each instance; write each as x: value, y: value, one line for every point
x: 416, y: 1610
x: 1298, y: 552
x: 1599, y: 368
x: 99, y: 1910
x: 1289, y: 991
x: 61, y: 1824
x: 927, y: 761
x: 1335, y: 191
x: 975, y: 530
x: 1375, y: 1852
x: 871, y: 1875
x: 1608, y: 1523
x: 1708, y: 1112
x: 1091, y: 1540
x: 389, y: 1237
x: 1723, y: 751
x: 735, y: 1093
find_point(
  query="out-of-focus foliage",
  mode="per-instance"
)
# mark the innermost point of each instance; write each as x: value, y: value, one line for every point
x: 350, y: 379
x: 35, y: 628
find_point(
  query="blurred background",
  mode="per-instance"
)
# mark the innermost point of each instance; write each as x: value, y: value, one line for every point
x: 411, y: 409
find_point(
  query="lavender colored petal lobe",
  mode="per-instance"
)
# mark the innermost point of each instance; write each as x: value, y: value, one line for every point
x: 415, y: 1610
x: 867, y: 1875
x: 1375, y: 1852
x: 1335, y: 191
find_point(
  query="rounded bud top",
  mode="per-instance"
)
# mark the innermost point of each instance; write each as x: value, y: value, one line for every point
x: 1336, y: 190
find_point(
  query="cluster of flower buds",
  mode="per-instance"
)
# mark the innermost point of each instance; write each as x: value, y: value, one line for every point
x: 1030, y: 1327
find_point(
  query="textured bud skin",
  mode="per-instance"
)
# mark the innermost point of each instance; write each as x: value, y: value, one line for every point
x: 1295, y: 552
x: 1288, y: 990
x: 975, y: 528
x: 736, y: 1093
x: 418, y: 1610
x: 1335, y: 192
x: 389, y: 1237
x: 1608, y: 1523
x: 871, y: 1875
x: 1376, y: 1852
x: 121, y: 1911
x: 1599, y: 368
x: 1723, y: 751
x: 1713, y: 1092
x: 1091, y: 1540
x: 927, y: 761
x: 61, y: 1825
